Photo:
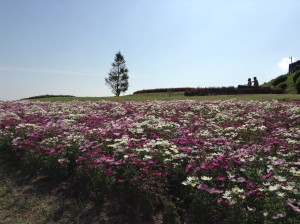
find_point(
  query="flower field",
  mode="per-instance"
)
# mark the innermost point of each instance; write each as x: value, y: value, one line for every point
x: 221, y: 161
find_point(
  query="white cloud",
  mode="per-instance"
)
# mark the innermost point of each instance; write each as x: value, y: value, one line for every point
x: 45, y: 71
x: 284, y: 63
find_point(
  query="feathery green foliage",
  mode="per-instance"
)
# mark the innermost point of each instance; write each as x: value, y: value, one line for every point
x: 117, y: 78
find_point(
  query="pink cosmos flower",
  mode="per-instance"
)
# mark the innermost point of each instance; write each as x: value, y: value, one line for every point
x: 279, y: 162
x: 207, y: 144
x: 267, y: 176
x: 280, y: 215
x: 241, y: 179
x: 294, y: 207
x: 221, y: 178
x: 120, y: 180
x: 214, y: 191
x: 189, y: 167
x: 109, y: 171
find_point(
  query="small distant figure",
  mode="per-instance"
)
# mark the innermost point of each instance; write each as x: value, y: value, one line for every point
x: 255, y: 82
x: 249, y: 82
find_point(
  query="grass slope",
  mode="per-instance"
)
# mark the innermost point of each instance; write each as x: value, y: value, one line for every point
x: 180, y: 96
x: 290, y: 89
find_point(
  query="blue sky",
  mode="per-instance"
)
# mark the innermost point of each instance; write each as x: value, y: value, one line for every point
x: 67, y: 46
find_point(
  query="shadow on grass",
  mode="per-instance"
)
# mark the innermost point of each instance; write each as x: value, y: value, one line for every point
x: 26, y: 198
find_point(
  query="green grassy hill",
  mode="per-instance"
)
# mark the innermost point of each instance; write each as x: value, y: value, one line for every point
x: 180, y: 96
x: 287, y: 82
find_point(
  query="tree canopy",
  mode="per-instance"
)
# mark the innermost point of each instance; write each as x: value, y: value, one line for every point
x: 117, y: 78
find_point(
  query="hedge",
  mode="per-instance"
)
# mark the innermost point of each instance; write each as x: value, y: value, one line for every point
x: 163, y: 90
x: 232, y: 91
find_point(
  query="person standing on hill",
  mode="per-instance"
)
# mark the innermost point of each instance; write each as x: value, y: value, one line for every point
x: 255, y: 82
x: 249, y: 82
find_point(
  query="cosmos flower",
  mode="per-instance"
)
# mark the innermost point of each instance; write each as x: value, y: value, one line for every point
x: 231, y: 150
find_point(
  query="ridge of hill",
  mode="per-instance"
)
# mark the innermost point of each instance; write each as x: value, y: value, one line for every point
x: 288, y: 82
x: 46, y: 96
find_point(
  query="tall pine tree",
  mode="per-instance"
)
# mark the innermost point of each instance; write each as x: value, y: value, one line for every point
x: 117, y: 78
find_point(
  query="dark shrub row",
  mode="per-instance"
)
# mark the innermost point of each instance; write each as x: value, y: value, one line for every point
x: 231, y: 91
x: 163, y: 90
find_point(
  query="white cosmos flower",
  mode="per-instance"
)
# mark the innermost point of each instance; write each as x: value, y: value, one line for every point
x: 270, y: 168
x: 227, y: 194
x: 206, y: 178
x: 274, y: 187
x: 280, y: 178
x: 251, y: 209
x: 191, y: 180
x: 280, y: 194
x: 237, y: 190
x: 147, y: 157
x: 295, y: 172
x: 288, y: 188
